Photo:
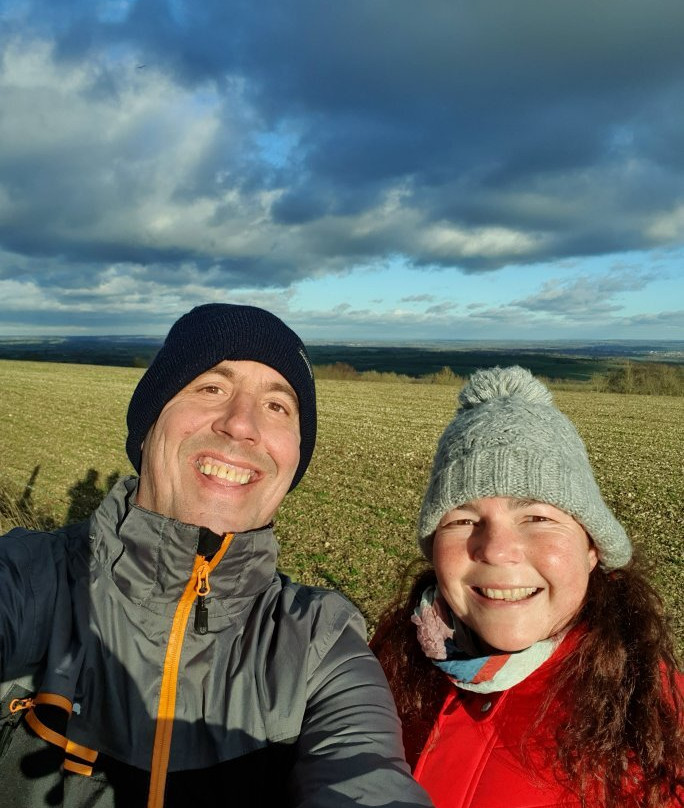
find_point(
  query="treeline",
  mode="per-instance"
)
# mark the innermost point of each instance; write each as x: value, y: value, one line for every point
x: 636, y: 378
x: 642, y: 378
x: 342, y: 371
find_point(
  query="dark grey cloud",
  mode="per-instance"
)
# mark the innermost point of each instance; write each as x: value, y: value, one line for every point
x: 253, y: 144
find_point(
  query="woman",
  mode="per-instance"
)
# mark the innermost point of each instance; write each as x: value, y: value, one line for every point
x: 531, y: 663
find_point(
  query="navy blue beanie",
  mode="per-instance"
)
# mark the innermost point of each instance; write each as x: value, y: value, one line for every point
x: 202, y: 338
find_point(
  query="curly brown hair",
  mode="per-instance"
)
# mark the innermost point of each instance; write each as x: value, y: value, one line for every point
x: 619, y: 686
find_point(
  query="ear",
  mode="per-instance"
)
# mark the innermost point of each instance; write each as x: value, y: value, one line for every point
x: 592, y: 554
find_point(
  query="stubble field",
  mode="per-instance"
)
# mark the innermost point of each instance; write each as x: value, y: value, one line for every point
x: 351, y: 522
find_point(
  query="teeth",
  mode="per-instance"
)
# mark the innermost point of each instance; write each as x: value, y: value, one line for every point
x: 519, y: 593
x: 230, y: 473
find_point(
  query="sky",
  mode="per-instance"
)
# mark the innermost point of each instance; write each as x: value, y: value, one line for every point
x: 366, y: 169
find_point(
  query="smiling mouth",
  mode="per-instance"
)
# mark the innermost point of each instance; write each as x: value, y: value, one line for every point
x: 510, y: 595
x: 210, y: 467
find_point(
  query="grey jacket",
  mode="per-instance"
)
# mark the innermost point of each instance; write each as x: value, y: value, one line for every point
x: 280, y: 698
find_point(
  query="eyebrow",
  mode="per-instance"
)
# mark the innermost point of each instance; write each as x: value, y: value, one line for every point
x: 516, y: 504
x: 513, y: 503
x: 273, y: 387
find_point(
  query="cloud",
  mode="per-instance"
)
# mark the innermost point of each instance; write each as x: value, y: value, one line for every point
x: 585, y: 296
x: 492, y: 323
x: 441, y: 308
x: 668, y: 319
x: 149, y: 148
x: 417, y: 299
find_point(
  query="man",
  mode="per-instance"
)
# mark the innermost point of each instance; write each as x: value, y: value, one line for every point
x: 153, y: 655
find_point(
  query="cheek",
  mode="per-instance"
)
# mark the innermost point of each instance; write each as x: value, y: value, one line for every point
x: 176, y: 426
x: 569, y: 579
x: 564, y: 557
x: 285, y: 448
x: 448, y: 561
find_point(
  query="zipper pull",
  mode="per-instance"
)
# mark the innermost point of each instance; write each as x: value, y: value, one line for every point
x: 17, y: 705
x: 201, y: 617
x: 202, y: 589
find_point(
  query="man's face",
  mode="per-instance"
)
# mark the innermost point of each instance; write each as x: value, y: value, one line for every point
x: 224, y: 450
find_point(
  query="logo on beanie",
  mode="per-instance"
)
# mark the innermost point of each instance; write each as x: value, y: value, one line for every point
x: 302, y: 353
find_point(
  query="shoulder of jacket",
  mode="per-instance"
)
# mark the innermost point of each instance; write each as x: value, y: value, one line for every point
x: 316, y: 597
x: 329, y: 613
x: 70, y: 540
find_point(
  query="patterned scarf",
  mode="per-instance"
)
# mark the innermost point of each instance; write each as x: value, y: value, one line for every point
x: 451, y: 646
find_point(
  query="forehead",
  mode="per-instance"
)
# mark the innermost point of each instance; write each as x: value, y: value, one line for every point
x: 505, y: 503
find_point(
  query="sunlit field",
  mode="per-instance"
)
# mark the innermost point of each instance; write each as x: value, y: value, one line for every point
x: 351, y: 522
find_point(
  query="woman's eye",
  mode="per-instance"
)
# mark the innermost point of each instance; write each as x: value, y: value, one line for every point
x: 537, y: 518
x: 459, y: 522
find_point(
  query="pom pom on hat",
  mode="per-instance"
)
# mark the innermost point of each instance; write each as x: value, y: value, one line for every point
x: 486, y: 385
x: 509, y: 440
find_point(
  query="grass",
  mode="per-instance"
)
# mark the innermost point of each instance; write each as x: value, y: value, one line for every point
x: 351, y: 522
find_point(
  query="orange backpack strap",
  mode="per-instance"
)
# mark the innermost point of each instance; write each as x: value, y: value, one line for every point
x: 71, y: 749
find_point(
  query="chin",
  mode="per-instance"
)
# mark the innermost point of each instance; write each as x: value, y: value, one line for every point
x: 506, y: 644
x: 241, y: 524
x: 513, y: 648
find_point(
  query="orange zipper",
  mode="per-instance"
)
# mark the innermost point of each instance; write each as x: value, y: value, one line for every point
x: 197, y: 586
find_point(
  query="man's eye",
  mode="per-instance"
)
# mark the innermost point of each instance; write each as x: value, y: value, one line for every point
x: 276, y: 406
x: 211, y: 388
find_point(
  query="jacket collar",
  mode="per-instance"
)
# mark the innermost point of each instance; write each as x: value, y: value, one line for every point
x: 150, y: 557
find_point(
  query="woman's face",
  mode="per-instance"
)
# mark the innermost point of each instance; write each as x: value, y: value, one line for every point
x: 515, y: 571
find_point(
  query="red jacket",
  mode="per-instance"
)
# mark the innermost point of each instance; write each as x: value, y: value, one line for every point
x: 473, y: 756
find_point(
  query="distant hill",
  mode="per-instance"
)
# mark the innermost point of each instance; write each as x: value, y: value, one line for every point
x: 553, y: 360
x: 556, y: 360
x: 116, y: 351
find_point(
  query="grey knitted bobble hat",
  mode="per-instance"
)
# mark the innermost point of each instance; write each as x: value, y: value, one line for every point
x: 508, y: 439
x: 204, y: 337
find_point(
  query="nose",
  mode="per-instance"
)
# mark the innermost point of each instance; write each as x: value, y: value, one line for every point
x: 496, y: 543
x: 238, y: 419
